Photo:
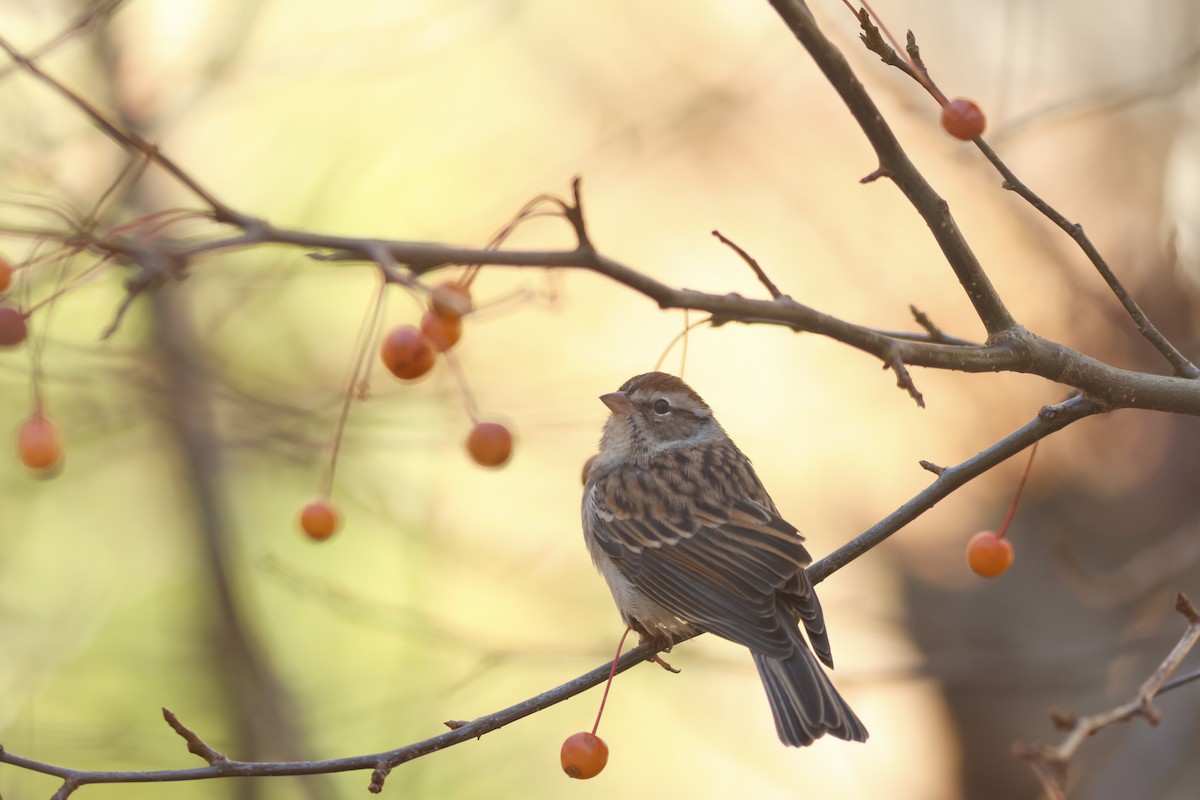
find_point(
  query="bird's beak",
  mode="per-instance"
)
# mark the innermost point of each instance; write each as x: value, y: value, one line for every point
x: 617, y: 402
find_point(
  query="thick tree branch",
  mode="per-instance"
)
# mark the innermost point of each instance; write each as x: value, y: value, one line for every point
x: 876, y: 44
x: 1014, y: 349
x: 896, y: 166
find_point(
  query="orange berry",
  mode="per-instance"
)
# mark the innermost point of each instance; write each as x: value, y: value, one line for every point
x: 988, y: 554
x: 587, y: 466
x: 584, y: 755
x: 38, y: 443
x: 451, y: 300
x: 12, y: 327
x: 490, y: 444
x: 319, y: 520
x: 406, y: 353
x: 6, y: 273
x: 962, y: 119
x: 442, y: 332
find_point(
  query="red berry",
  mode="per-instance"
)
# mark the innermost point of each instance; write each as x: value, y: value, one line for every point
x: 319, y: 520
x: 442, y: 332
x: 38, y: 444
x: 12, y: 327
x: 584, y: 755
x: 587, y: 466
x: 6, y: 273
x: 451, y: 300
x: 988, y: 554
x: 962, y: 119
x: 490, y: 444
x: 406, y: 353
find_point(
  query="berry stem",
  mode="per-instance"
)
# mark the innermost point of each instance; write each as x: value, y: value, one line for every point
x: 683, y: 348
x: 360, y: 367
x: 463, y: 388
x: 1012, y: 508
x: 612, y: 673
x: 37, y: 340
x: 682, y: 336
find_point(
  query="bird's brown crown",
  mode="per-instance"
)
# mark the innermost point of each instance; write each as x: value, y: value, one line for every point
x: 649, y: 383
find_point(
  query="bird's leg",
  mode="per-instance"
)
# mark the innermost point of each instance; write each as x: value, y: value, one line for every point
x: 659, y: 639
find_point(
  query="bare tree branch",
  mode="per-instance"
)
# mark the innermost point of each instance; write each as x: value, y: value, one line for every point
x: 875, y: 42
x: 1049, y: 420
x: 1050, y: 762
x: 127, y: 139
x: 379, y: 763
x: 759, y: 273
x: 154, y: 258
x: 896, y: 166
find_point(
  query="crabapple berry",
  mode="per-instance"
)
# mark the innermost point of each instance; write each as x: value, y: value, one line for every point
x: 451, y: 300
x: 490, y: 444
x: 584, y: 755
x: 319, y: 520
x: 406, y: 353
x: 441, y: 332
x: 12, y: 327
x: 962, y: 119
x: 38, y: 443
x: 988, y: 554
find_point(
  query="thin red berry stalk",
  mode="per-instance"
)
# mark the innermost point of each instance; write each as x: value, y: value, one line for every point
x: 1012, y: 507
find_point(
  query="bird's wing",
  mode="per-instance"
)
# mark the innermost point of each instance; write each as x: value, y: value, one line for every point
x: 729, y: 564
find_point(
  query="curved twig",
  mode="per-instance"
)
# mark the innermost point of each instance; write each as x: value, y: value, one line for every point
x: 1050, y: 762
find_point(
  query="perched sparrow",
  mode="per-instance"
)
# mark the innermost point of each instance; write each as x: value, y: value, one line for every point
x: 689, y: 540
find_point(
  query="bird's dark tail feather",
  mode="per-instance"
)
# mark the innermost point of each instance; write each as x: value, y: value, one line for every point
x: 805, y: 704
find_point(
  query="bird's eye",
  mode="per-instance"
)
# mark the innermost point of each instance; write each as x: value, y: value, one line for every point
x: 661, y: 407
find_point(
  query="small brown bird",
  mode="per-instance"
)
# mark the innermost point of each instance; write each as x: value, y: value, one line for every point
x: 689, y: 540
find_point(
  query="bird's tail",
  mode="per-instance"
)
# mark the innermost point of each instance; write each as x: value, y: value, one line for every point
x: 804, y: 702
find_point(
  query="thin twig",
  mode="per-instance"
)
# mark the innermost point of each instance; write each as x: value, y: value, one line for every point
x: 1182, y: 680
x: 753, y: 264
x: 904, y: 379
x: 195, y: 744
x: 1183, y: 367
x: 936, y: 334
x: 88, y: 18
x: 1051, y: 762
x: 126, y: 138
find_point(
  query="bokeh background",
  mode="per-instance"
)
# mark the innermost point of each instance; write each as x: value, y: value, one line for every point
x: 163, y: 567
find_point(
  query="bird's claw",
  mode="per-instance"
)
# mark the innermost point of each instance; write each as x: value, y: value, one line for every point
x: 657, y: 659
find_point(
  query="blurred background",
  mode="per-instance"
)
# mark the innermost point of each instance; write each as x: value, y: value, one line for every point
x: 163, y: 567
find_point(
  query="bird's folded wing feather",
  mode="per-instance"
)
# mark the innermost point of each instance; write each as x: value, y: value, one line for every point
x: 729, y: 564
